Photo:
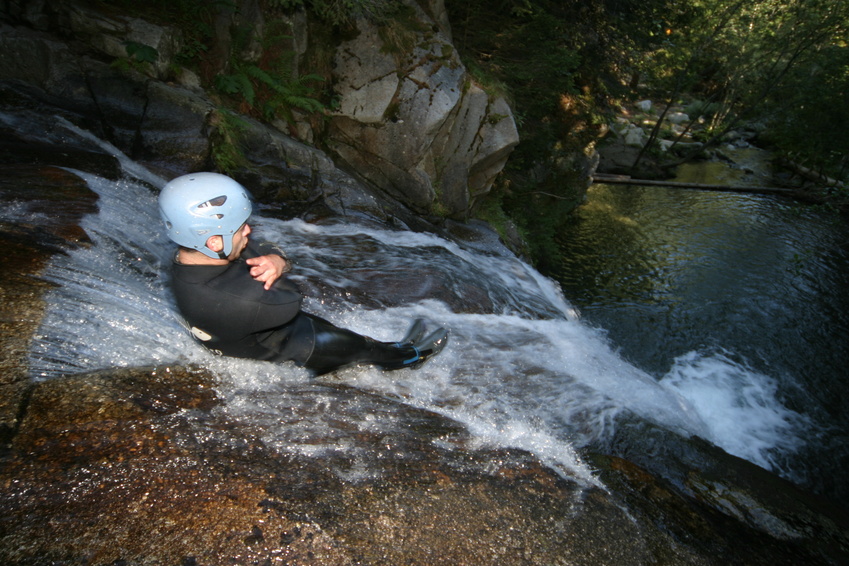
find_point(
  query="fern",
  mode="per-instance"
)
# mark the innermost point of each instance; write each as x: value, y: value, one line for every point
x: 140, y: 57
x: 238, y: 83
x: 268, y: 88
x: 285, y: 94
x: 263, y: 77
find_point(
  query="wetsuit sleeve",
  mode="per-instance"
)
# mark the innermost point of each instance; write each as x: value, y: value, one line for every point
x: 257, y: 249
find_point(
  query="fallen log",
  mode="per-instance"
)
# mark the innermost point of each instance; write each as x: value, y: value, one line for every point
x: 626, y: 180
x: 811, y: 175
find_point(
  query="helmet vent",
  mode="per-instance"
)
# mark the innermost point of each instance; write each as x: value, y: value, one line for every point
x: 217, y: 201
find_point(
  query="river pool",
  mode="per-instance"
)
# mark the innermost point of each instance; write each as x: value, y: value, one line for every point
x: 735, y: 300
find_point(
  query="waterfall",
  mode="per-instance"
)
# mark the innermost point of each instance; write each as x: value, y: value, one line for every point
x: 528, y: 374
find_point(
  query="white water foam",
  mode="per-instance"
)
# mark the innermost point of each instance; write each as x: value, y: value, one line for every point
x: 740, y: 407
x: 547, y: 385
x: 110, y: 308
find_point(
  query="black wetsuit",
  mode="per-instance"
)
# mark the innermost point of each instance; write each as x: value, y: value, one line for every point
x: 233, y: 314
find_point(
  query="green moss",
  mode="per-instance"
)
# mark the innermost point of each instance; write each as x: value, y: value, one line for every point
x: 226, y: 141
x: 342, y: 12
x: 400, y: 34
x: 493, y: 214
x: 493, y: 119
x: 489, y: 82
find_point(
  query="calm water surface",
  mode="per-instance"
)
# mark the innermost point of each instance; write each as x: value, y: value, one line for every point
x: 762, y: 283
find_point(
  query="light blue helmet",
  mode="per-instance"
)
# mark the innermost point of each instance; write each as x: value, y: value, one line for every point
x: 199, y: 205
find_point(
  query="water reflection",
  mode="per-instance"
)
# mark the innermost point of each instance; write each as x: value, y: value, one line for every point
x: 758, y: 281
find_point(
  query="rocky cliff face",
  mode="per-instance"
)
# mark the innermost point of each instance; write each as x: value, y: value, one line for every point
x: 413, y: 122
x: 411, y: 126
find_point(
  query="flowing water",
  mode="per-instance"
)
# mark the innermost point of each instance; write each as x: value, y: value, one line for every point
x: 738, y: 303
x: 532, y: 374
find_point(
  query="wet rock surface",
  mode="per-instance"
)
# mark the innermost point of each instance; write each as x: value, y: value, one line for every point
x: 136, y: 465
x: 149, y: 466
x: 57, y: 200
x: 141, y: 466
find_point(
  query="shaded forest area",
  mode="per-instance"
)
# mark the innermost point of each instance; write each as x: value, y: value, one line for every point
x: 778, y: 66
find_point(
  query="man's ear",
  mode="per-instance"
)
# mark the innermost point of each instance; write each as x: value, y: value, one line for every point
x: 215, y: 243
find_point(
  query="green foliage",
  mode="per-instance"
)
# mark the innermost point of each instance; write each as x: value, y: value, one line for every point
x: 529, y: 56
x: 342, y: 12
x: 193, y: 47
x: 700, y: 108
x: 140, y: 52
x: 400, y: 34
x: 269, y: 87
x: 238, y: 83
x: 537, y: 55
x: 489, y: 82
x: 266, y: 87
x: 192, y: 17
x: 773, y: 61
x: 815, y: 131
x: 491, y: 210
x: 140, y: 57
x: 226, y: 151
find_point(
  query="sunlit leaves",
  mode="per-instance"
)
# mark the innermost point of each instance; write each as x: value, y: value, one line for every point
x: 759, y: 60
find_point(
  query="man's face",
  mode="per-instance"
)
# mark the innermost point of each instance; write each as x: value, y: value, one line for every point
x: 240, y: 240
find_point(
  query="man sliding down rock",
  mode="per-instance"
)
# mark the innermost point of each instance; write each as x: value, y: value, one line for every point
x: 237, y: 299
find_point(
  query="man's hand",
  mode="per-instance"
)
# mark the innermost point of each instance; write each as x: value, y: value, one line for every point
x: 268, y: 268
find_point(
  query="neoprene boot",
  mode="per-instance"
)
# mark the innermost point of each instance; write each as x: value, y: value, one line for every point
x: 335, y: 348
